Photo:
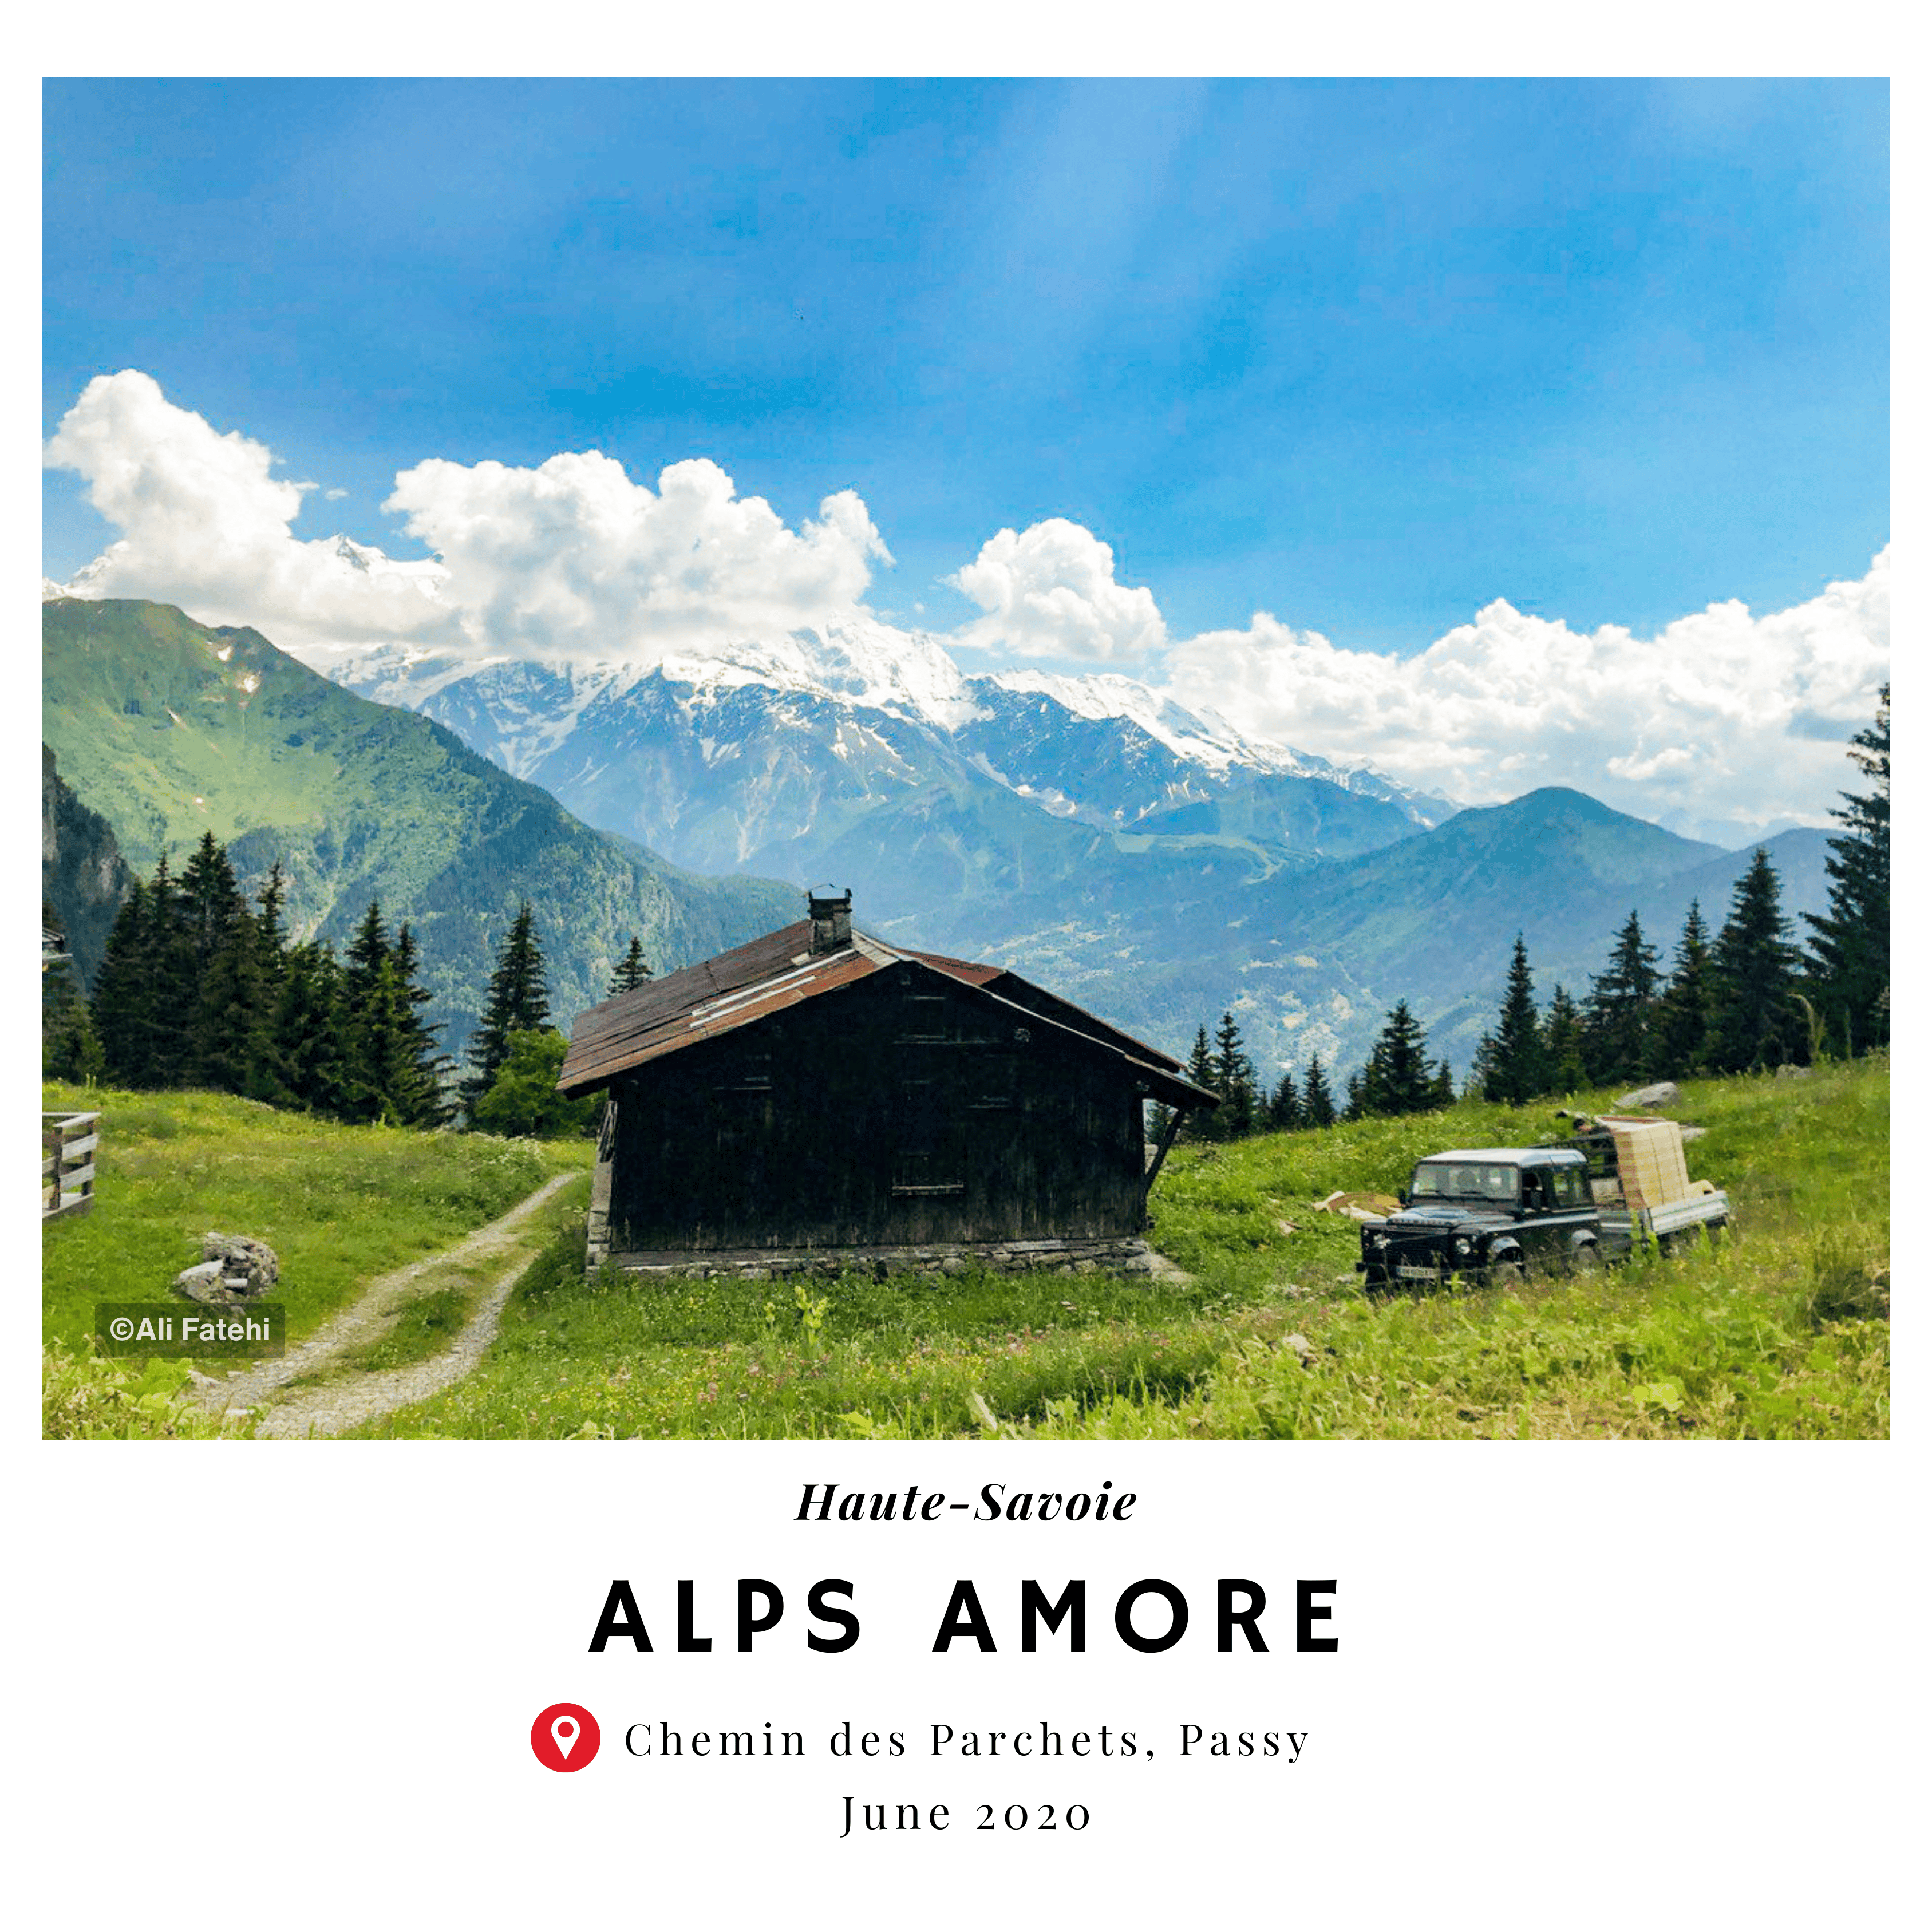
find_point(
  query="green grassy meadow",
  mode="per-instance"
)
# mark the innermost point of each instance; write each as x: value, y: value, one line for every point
x: 1781, y: 1330
x: 340, y: 1205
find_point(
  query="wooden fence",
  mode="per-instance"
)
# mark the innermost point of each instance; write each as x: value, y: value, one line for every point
x: 67, y: 1142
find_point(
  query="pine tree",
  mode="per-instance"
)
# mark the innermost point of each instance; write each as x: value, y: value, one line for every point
x: 1482, y: 1066
x: 518, y: 1002
x: 383, y: 1083
x: 307, y: 1054
x: 1200, y: 1122
x: 210, y: 901
x: 228, y: 1035
x: 175, y: 965
x: 1354, y: 1097
x: 1564, y: 1070
x: 424, y: 1105
x: 1201, y: 1060
x: 1397, y: 1078
x: 373, y: 1020
x: 1684, y: 1013
x: 1442, y: 1089
x: 268, y: 926
x: 367, y: 952
x: 1284, y: 1106
x: 1849, y: 971
x: 146, y: 983
x: 631, y: 971
x: 1514, y: 1067
x: 125, y: 1011
x: 1318, y: 1103
x: 1754, y: 970
x: 1619, y: 1022
x: 1233, y: 1081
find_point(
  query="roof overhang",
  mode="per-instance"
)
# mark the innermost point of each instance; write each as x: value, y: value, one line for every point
x: 750, y: 984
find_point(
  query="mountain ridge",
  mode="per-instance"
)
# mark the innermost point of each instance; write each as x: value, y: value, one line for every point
x: 169, y: 728
x: 869, y: 666
x: 1086, y: 851
x: 1072, y: 830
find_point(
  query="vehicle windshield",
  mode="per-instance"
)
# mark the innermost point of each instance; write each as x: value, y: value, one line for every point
x: 1463, y: 1180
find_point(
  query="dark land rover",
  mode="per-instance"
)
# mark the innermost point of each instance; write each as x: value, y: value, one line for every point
x: 1486, y: 1213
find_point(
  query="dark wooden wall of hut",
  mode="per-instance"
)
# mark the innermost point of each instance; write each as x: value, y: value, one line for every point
x: 904, y: 1109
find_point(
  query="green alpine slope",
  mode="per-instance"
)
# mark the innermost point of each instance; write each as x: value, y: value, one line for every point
x: 169, y: 728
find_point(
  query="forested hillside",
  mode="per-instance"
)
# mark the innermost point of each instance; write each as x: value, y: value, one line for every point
x: 170, y: 729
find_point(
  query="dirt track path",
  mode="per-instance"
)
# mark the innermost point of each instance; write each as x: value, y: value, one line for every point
x: 331, y: 1407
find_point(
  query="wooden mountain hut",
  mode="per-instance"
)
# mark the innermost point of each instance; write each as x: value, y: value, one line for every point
x: 819, y: 1098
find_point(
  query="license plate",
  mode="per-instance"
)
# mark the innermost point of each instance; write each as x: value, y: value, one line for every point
x: 1410, y: 1272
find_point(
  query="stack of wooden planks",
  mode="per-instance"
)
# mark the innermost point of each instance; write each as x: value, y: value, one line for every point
x: 1650, y: 1160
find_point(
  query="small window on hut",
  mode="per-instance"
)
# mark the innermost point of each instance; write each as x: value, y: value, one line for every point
x: 924, y: 1016
x: 927, y: 1157
x: 746, y: 1073
x: 994, y: 1083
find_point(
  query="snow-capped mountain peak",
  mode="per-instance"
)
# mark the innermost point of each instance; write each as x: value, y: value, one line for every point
x: 1200, y: 737
x: 1066, y: 743
x: 860, y: 662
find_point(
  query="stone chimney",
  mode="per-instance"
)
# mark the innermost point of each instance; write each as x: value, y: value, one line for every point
x: 831, y: 920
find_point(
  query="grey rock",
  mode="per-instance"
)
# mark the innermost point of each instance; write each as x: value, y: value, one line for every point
x: 1793, y: 1073
x: 1695, y: 1133
x: 1663, y: 1093
x: 1300, y: 1346
x: 204, y: 1282
x: 250, y: 1266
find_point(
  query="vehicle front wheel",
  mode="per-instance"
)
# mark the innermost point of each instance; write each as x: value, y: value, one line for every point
x: 1586, y: 1258
x: 1506, y: 1274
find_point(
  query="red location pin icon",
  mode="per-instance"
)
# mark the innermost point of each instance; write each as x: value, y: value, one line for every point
x: 564, y: 1737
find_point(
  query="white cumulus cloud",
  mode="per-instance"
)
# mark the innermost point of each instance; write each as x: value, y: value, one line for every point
x: 1721, y: 718
x: 568, y: 559
x: 1049, y: 592
x: 572, y: 559
x: 204, y: 524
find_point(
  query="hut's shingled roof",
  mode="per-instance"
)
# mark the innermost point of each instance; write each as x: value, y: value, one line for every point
x: 753, y: 981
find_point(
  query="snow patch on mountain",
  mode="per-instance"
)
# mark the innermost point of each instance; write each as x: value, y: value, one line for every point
x: 869, y: 664
x: 521, y: 714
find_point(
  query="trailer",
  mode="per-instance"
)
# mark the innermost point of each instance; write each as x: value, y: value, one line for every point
x: 1642, y: 1183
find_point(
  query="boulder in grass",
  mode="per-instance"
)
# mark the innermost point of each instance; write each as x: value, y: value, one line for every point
x: 1657, y: 1098
x: 249, y: 1268
x: 203, y: 1282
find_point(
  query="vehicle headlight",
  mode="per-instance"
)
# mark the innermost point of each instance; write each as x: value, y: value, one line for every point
x: 1462, y: 1244
x: 1378, y: 1241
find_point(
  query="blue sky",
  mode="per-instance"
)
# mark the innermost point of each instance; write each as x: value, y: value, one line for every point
x: 1499, y: 434
x: 1367, y: 355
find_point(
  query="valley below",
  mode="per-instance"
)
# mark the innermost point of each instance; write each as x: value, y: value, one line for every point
x: 1148, y: 862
